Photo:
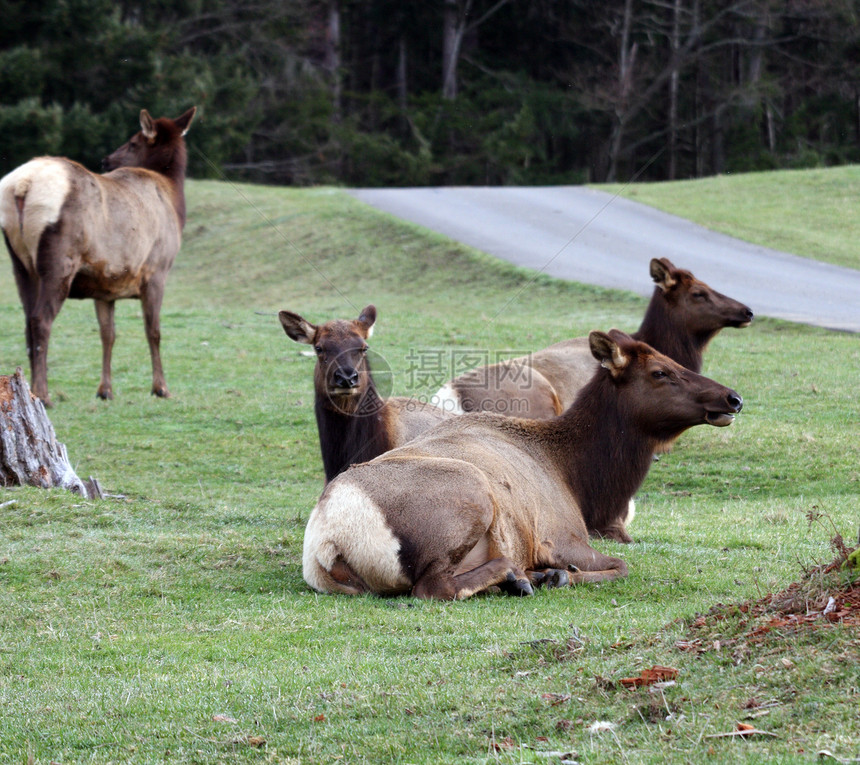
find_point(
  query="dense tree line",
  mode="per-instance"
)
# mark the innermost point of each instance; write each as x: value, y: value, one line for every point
x: 440, y: 91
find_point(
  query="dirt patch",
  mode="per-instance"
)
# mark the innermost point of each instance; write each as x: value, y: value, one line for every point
x: 825, y: 596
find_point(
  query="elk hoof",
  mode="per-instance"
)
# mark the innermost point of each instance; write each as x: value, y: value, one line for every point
x: 44, y: 398
x: 161, y: 392
x: 514, y: 586
x: 105, y: 395
x: 620, y: 535
x: 556, y: 577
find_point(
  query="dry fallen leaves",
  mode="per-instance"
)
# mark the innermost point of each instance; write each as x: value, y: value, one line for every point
x: 555, y: 698
x: 742, y: 729
x: 506, y: 743
x: 656, y: 674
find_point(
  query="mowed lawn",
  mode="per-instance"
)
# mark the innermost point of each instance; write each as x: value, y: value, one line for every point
x: 169, y: 622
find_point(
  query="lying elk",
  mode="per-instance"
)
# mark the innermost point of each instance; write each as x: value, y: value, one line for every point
x: 485, y: 500
x: 683, y: 316
x: 74, y: 234
x: 355, y: 424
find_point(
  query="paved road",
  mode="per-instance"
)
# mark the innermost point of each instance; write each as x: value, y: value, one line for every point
x: 589, y: 236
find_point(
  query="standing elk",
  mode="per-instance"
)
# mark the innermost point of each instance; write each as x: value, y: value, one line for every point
x: 72, y: 233
x: 355, y: 424
x: 485, y: 500
x: 683, y: 316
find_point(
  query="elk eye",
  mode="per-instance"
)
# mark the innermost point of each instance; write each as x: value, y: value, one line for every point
x: 363, y: 350
x: 700, y: 295
x: 318, y: 349
x: 658, y: 374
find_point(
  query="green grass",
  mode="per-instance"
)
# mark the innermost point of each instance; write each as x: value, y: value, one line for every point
x: 807, y: 212
x: 169, y: 622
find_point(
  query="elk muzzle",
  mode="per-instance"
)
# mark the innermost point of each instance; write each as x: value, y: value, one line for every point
x: 745, y: 318
x: 722, y: 414
x: 345, y: 379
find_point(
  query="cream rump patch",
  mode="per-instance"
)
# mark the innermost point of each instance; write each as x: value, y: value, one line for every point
x: 348, y: 523
x: 43, y: 185
x: 447, y: 399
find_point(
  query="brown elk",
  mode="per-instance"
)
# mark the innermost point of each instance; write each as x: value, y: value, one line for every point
x: 682, y: 318
x: 485, y: 500
x: 355, y: 424
x: 74, y: 234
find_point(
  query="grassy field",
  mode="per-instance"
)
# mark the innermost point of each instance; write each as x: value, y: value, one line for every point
x: 169, y: 622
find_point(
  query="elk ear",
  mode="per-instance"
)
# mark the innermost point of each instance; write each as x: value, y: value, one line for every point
x: 184, y: 122
x: 297, y: 328
x: 662, y: 272
x: 147, y: 125
x: 368, y: 317
x: 608, y: 352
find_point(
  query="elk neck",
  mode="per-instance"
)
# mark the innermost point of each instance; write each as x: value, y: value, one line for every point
x: 175, y: 172
x: 603, y: 454
x: 664, y: 331
x: 348, y: 436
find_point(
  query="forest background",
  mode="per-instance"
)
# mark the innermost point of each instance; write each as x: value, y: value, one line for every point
x: 403, y: 92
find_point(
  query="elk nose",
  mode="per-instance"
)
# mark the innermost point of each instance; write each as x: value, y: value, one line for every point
x: 749, y: 314
x: 735, y: 401
x: 346, y: 378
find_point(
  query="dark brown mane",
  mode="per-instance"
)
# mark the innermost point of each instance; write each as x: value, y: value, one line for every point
x: 173, y: 162
x: 350, y: 437
x: 664, y: 331
x: 610, y: 458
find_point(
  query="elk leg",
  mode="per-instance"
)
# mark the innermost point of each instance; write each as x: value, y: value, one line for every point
x: 107, y: 330
x: 150, y: 299
x: 27, y: 286
x: 588, y: 565
x: 55, y: 273
x: 39, y: 334
x: 549, y: 578
x: 577, y: 564
x: 443, y: 585
x: 616, y: 531
x: 517, y: 587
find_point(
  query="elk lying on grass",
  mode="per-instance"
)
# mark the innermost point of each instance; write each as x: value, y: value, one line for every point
x: 74, y: 234
x: 355, y: 423
x: 682, y: 318
x: 485, y: 500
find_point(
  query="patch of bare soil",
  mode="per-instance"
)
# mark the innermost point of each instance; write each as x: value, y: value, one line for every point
x: 824, y: 596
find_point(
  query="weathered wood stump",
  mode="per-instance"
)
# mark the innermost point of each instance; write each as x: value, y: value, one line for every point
x: 30, y: 454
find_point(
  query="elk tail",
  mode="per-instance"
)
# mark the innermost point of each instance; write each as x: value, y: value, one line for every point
x: 326, y: 570
x: 32, y: 198
x: 20, y: 199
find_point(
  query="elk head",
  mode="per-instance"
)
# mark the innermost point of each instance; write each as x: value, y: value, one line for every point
x: 342, y: 374
x: 157, y: 146
x: 702, y: 310
x: 662, y: 397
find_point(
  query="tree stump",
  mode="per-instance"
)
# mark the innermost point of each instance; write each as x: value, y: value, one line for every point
x: 29, y: 451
